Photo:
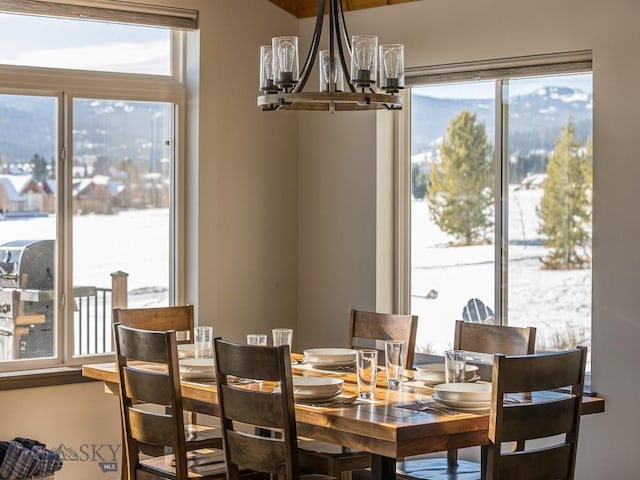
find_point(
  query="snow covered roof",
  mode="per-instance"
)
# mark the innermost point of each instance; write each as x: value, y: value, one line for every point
x: 19, y: 182
x: 9, y: 189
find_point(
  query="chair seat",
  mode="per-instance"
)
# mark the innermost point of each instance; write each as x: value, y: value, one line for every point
x: 438, y: 469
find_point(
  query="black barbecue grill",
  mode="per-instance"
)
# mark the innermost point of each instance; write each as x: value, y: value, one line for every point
x: 26, y: 299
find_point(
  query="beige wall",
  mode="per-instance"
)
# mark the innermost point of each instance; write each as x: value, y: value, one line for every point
x: 446, y: 31
x: 243, y: 200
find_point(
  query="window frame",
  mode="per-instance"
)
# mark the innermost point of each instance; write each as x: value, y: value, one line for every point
x: 66, y: 85
x: 500, y: 71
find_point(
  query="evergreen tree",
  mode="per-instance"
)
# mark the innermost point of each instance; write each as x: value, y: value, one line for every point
x: 460, y: 192
x: 418, y: 182
x: 565, y: 208
x: 39, y: 166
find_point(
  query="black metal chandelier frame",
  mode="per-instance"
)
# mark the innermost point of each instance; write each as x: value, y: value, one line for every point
x: 294, y: 98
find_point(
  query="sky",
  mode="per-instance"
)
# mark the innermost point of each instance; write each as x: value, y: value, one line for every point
x: 77, y: 44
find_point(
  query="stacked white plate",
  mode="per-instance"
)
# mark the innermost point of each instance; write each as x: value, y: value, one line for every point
x: 330, y: 357
x: 311, y: 388
x: 197, y: 368
x: 433, y: 373
x: 464, y: 396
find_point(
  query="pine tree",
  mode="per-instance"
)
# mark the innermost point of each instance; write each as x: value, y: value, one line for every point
x: 565, y: 208
x: 460, y: 193
x: 39, y: 165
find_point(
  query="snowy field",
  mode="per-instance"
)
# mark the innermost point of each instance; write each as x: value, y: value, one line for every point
x: 132, y: 241
x: 557, y: 303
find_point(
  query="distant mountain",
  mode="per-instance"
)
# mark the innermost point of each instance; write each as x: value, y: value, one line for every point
x: 111, y: 130
x: 534, y: 118
x: 105, y: 130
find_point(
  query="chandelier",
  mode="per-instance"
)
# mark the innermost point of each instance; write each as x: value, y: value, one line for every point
x: 369, y: 86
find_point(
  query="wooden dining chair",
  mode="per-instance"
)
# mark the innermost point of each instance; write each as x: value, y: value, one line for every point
x: 527, y: 405
x: 179, y: 318
x: 483, y: 339
x: 371, y: 329
x: 151, y: 409
x: 366, y: 330
x: 258, y: 426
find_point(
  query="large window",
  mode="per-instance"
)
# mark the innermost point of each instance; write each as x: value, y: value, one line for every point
x: 88, y: 165
x: 501, y: 201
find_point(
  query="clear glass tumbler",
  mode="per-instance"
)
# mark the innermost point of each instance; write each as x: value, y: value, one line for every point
x: 367, y: 370
x: 204, y: 342
x: 394, y: 361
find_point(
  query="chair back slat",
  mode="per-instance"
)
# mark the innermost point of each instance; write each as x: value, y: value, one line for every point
x: 266, y: 408
x: 538, y: 420
x: 541, y: 464
x: 538, y: 412
x: 262, y: 366
x: 179, y: 318
x: 485, y: 338
x: 135, y: 344
x: 148, y: 387
x: 257, y: 453
x: 541, y: 372
x: 371, y: 329
x: 152, y: 428
x: 241, y: 407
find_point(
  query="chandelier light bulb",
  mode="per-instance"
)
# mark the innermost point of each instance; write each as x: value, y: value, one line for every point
x: 266, y: 69
x: 391, y: 67
x: 364, y: 49
x: 338, y: 77
x: 285, y: 60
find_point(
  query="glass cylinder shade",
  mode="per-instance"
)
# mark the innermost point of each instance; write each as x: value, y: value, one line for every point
x: 364, y: 59
x: 285, y: 61
x: 266, y: 68
x: 338, y: 76
x: 391, y: 67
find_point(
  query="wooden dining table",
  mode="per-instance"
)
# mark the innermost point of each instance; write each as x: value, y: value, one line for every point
x: 392, y: 426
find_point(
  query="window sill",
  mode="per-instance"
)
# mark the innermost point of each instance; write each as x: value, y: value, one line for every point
x: 44, y: 377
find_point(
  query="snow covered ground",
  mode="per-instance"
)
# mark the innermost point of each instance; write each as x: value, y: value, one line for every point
x: 134, y: 241
x: 557, y: 303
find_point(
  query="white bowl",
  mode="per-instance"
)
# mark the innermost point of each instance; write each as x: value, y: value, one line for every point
x: 186, y: 350
x: 464, y: 392
x: 434, y: 372
x: 197, y: 364
x: 330, y: 355
x: 311, y: 385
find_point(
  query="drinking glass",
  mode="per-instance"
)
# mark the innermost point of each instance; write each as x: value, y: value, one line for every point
x: 394, y: 361
x: 204, y: 342
x: 454, y: 366
x: 367, y: 370
x: 256, y: 339
x: 282, y: 336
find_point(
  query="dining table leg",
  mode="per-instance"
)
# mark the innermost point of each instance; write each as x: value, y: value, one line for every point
x: 383, y: 468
